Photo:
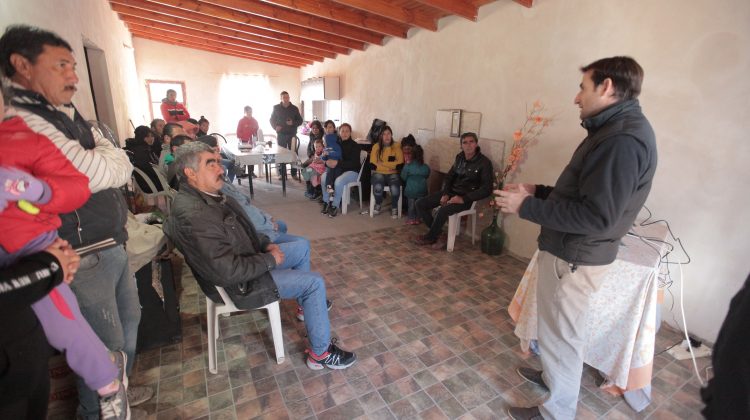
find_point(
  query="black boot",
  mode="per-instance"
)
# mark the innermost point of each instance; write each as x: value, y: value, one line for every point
x: 332, y: 211
x: 325, y: 209
x: 318, y: 194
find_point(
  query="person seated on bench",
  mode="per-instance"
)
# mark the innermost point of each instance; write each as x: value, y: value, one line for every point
x: 223, y: 248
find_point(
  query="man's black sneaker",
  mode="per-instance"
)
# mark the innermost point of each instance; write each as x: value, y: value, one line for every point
x: 332, y: 211
x: 301, y: 312
x: 324, y: 210
x: 532, y: 375
x: 334, y: 358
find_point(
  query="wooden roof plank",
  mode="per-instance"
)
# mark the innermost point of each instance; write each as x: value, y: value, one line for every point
x: 283, y: 14
x: 169, y: 12
x: 392, y: 11
x: 254, y: 20
x: 125, y: 11
x: 219, y: 38
x: 527, y: 3
x: 331, y: 10
x: 217, y: 44
x: 186, y: 44
x: 457, y: 7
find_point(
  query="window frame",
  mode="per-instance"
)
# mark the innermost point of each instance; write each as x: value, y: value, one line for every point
x: 151, y: 102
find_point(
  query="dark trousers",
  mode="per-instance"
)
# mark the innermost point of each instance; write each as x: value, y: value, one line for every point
x: 24, y: 377
x: 424, y: 209
x: 331, y: 175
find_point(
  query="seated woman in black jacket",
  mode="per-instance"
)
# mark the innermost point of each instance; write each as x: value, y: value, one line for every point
x: 349, y: 164
x: 143, y: 157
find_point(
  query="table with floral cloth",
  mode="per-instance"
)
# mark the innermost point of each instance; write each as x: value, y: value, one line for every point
x: 621, y: 337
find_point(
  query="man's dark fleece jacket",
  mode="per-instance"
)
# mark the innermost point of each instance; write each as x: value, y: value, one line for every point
x: 599, y: 194
x: 470, y: 179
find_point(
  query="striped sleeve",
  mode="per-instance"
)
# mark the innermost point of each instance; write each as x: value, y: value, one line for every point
x: 105, y: 165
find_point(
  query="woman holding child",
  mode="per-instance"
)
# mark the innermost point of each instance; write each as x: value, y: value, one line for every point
x: 348, y: 171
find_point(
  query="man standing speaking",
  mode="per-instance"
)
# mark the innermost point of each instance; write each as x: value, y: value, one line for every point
x: 583, y: 217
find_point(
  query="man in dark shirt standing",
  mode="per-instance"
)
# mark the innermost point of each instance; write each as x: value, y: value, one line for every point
x: 285, y: 119
x: 591, y: 207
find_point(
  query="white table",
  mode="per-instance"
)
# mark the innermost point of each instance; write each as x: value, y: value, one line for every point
x: 274, y: 154
x: 621, y: 338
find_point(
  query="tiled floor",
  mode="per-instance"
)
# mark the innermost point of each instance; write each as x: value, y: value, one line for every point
x: 431, y: 332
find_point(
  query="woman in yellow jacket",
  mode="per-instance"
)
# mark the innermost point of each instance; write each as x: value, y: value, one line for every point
x: 386, y: 160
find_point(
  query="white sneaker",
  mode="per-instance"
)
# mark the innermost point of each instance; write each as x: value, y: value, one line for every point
x: 394, y: 213
x: 115, y: 406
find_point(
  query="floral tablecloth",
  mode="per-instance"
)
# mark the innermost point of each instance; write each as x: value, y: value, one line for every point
x: 621, y: 338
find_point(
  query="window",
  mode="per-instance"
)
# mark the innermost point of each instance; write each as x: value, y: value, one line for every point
x: 157, y: 90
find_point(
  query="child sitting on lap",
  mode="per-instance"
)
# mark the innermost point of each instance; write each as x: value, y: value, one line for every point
x: 314, y: 166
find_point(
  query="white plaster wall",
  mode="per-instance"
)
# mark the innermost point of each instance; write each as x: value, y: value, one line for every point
x: 203, y: 72
x: 696, y: 57
x: 93, y: 20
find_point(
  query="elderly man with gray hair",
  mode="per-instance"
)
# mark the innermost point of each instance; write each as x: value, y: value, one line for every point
x: 223, y: 248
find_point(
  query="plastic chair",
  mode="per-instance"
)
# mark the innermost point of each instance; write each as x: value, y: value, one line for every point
x: 454, y: 225
x: 297, y: 163
x: 346, y: 196
x: 385, y: 190
x: 213, y: 310
x: 267, y: 166
x: 166, y: 192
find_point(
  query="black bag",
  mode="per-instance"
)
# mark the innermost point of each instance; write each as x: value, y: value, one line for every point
x: 375, y: 130
x: 160, y: 319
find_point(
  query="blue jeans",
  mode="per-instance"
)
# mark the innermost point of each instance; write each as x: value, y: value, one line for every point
x: 296, y: 251
x: 108, y: 299
x: 378, y: 185
x: 309, y: 289
x: 229, y: 169
x: 413, y: 209
x: 338, y: 186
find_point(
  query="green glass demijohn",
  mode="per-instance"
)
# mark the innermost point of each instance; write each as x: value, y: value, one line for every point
x: 493, y: 238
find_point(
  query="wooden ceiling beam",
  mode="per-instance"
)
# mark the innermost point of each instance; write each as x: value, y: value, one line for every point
x: 216, y: 44
x: 331, y: 10
x: 185, y: 44
x: 253, y: 20
x: 266, y: 10
x: 128, y: 13
x: 456, y: 7
x: 389, y: 10
x: 168, y: 12
x: 527, y: 3
x: 130, y: 20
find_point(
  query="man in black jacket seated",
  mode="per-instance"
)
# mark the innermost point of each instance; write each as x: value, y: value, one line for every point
x: 223, y: 249
x: 592, y: 206
x: 469, y: 180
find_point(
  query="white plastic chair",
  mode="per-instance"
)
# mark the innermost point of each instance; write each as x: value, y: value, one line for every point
x: 454, y: 225
x: 213, y: 310
x: 385, y: 190
x: 346, y: 195
x: 297, y: 163
x: 166, y: 192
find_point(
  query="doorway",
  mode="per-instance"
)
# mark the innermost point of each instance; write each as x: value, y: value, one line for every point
x: 100, y: 86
